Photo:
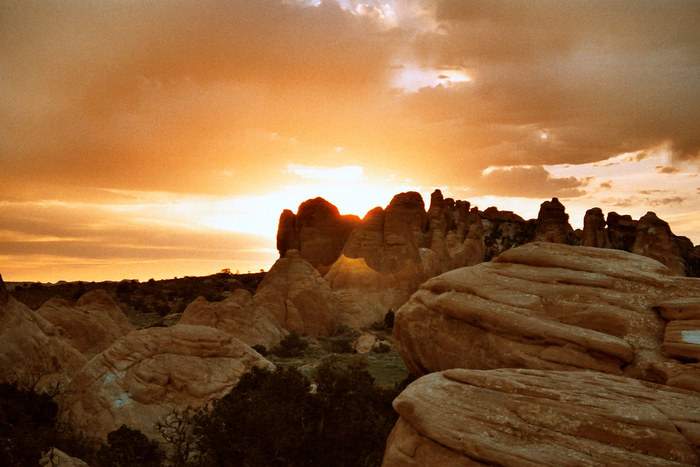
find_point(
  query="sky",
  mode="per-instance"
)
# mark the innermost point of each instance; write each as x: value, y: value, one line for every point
x: 160, y: 139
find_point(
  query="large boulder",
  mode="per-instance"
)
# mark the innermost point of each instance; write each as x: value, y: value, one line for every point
x: 515, y: 417
x: 317, y: 231
x: 239, y: 316
x: 91, y: 325
x: 547, y: 306
x: 298, y: 297
x: 32, y: 350
x: 151, y: 372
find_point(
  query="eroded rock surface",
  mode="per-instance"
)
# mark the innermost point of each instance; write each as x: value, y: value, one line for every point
x: 91, y: 325
x: 547, y: 306
x: 515, y: 417
x: 145, y: 375
x: 238, y: 315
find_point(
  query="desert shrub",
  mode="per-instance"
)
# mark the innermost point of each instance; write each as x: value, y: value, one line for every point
x: 261, y: 349
x: 381, y: 347
x: 291, y: 346
x: 389, y: 319
x: 128, y: 447
x: 27, y: 425
x: 267, y: 419
x: 273, y: 418
x: 178, y: 430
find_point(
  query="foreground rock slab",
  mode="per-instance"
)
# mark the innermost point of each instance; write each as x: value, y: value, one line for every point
x: 554, y: 307
x: 535, y: 418
x: 145, y: 375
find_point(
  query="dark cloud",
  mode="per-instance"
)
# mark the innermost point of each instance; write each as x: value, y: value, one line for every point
x: 527, y: 182
x: 666, y: 201
x: 607, y: 185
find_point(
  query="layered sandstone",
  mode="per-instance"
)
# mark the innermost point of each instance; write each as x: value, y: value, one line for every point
x: 91, y: 325
x: 515, y: 417
x: 148, y: 373
x: 552, y: 307
x: 238, y: 315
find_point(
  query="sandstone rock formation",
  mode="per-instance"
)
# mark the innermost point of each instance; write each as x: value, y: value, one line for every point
x: 515, y: 417
x: 148, y: 373
x: 548, y: 306
x: 594, y: 233
x: 317, y: 231
x: 239, y: 316
x: 32, y: 350
x: 553, y: 223
x: 655, y: 240
x: 392, y: 251
x: 622, y: 231
x: 298, y: 297
x: 90, y: 326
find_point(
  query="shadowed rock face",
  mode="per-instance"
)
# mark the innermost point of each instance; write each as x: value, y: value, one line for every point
x: 32, y: 350
x: 317, y: 231
x: 519, y: 417
x: 655, y: 240
x: 594, y: 233
x: 553, y: 223
x: 143, y: 376
x: 547, y: 306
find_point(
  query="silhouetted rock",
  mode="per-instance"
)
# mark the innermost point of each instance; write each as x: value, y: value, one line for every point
x: 317, y: 231
x: 519, y: 417
x: 594, y: 233
x: 654, y: 239
x: 547, y: 306
x: 622, y: 231
x: 553, y: 223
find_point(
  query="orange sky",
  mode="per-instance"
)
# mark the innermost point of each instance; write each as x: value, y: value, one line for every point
x: 160, y: 139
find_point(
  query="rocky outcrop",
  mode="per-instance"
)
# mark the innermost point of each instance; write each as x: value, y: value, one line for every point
x: 553, y: 223
x: 547, y: 306
x: 239, y: 316
x: 622, y: 231
x: 655, y: 240
x: 594, y: 233
x: 91, y: 325
x: 32, y: 351
x: 317, y: 231
x: 148, y: 373
x: 515, y: 417
x: 298, y: 297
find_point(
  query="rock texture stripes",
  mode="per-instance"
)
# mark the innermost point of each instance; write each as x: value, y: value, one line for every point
x: 517, y: 417
x: 552, y: 307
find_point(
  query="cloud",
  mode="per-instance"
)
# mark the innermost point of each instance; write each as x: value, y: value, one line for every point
x: 527, y: 182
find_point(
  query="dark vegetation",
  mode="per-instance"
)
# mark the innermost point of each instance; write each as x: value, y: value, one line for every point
x: 145, y: 303
x: 337, y: 416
